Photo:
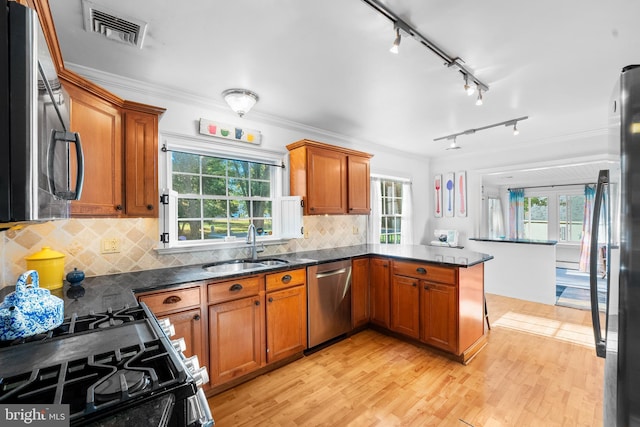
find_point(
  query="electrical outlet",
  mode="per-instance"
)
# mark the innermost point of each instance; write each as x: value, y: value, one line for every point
x: 110, y: 245
x: 306, y: 234
x: 355, y: 230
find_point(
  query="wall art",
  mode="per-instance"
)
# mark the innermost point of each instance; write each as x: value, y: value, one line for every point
x: 437, y: 192
x: 227, y: 131
x: 461, y: 193
x: 449, y: 191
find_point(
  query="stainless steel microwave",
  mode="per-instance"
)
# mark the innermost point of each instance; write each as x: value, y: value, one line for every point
x: 41, y: 161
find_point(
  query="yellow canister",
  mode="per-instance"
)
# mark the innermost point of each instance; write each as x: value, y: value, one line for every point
x: 50, y: 267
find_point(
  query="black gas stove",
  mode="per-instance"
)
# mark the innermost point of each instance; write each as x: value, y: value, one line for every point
x: 112, y: 368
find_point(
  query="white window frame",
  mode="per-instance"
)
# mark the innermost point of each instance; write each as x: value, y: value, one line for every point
x: 168, y: 218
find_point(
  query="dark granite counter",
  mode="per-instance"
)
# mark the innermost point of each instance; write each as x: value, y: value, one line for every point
x: 508, y: 240
x: 118, y: 290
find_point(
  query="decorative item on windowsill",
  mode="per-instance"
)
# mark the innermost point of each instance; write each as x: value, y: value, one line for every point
x: 227, y: 131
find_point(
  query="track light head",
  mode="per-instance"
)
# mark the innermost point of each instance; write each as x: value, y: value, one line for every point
x: 479, y: 100
x: 515, y: 128
x: 453, y: 145
x: 469, y: 89
x: 396, y: 42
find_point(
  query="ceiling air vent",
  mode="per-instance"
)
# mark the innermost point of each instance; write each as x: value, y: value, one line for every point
x: 112, y: 25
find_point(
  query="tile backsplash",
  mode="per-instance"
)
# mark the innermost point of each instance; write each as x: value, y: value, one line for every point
x: 80, y: 241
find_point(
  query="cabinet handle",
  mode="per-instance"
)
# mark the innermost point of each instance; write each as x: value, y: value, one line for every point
x: 426, y: 287
x: 421, y: 270
x: 119, y: 207
x: 270, y: 299
x: 235, y: 287
x: 414, y: 284
x: 196, y: 317
x: 150, y: 207
x: 257, y: 302
x: 173, y: 299
x: 286, y: 278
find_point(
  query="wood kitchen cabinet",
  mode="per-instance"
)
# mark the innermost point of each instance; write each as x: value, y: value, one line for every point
x: 182, y: 308
x: 100, y: 127
x: 380, y: 291
x: 141, y: 164
x: 446, y: 304
x: 405, y: 306
x: 286, y: 314
x: 236, y: 328
x: 330, y: 179
x: 360, y: 292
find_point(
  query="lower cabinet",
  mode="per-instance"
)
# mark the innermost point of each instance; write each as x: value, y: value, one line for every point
x: 405, y: 306
x: 360, y: 292
x: 380, y: 292
x: 182, y: 308
x: 439, y: 323
x: 236, y: 338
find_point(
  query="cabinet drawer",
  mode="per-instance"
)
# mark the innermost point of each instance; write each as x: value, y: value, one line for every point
x: 425, y: 271
x: 163, y: 302
x: 233, y: 289
x: 285, y: 279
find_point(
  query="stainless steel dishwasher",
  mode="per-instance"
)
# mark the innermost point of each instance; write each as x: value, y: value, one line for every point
x: 328, y: 301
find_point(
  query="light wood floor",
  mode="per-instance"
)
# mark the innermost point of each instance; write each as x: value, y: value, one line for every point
x: 539, y: 369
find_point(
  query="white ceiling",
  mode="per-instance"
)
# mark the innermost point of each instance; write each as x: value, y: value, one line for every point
x: 327, y: 64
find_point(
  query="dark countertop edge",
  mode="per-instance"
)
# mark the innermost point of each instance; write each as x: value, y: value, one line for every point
x: 523, y: 241
x: 118, y: 290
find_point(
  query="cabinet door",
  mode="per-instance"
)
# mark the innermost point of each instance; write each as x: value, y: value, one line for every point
x: 359, y: 183
x: 188, y: 325
x: 236, y: 338
x: 100, y: 127
x: 141, y: 160
x: 327, y: 181
x: 380, y: 292
x: 439, y: 315
x: 405, y: 306
x: 286, y: 323
x: 360, y: 312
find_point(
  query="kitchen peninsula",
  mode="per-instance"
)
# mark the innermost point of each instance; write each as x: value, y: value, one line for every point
x: 431, y: 296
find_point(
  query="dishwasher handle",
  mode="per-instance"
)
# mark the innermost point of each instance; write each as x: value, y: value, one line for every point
x: 330, y: 273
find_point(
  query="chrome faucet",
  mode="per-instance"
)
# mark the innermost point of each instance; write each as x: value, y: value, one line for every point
x: 251, y: 240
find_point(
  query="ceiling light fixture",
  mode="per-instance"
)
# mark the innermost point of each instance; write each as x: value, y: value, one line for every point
x: 515, y: 128
x: 396, y: 42
x: 240, y: 100
x: 453, y: 136
x: 479, y: 100
x: 449, y: 61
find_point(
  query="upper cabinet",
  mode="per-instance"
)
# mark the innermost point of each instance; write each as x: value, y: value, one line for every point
x: 119, y: 140
x: 330, y: 179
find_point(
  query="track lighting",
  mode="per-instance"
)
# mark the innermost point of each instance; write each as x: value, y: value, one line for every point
x: 454, y: 145
x: 468, y: 88
x: 450, y: 61
x: 396, y: 42
x: 479, y: 100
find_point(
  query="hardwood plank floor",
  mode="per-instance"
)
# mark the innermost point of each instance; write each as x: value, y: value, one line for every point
x: 538, y: 369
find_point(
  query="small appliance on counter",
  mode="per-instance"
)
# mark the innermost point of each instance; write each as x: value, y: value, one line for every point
x: 445, y: 238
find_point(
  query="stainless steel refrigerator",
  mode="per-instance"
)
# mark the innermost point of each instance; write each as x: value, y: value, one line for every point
x: 617, y: 219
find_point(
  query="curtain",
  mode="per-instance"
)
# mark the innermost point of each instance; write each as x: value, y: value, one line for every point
x: 585, y: 244
x: 516, y: 213
x: 406, y: 226
x: 376, y: 211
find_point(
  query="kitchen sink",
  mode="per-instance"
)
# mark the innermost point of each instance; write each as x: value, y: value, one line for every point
x: 236, y: 265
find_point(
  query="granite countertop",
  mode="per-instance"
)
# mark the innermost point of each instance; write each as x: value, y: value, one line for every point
x: 509, y: 240
x: 97, y: 294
